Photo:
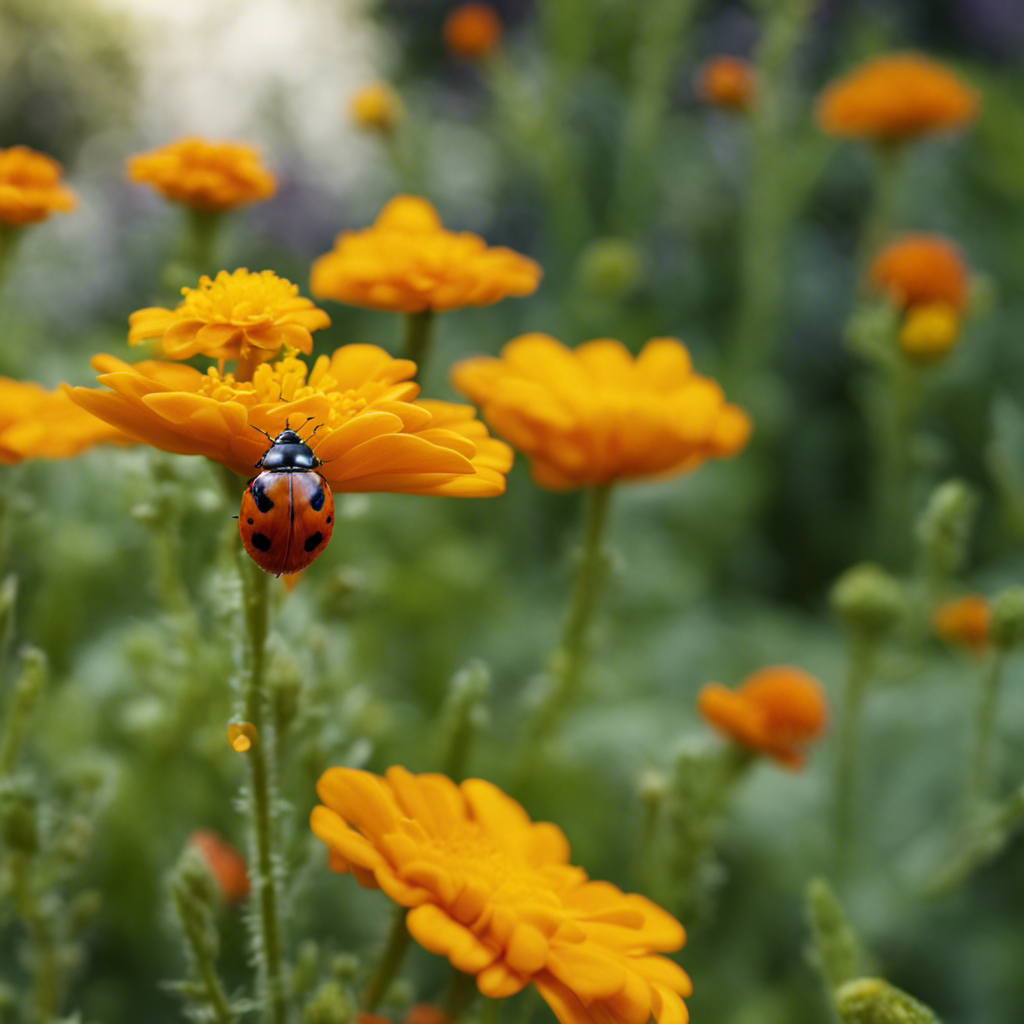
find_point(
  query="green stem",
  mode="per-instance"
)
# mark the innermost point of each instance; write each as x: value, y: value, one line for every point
x: 389, y: 963
x: 461, y: 993
x: 980, y: 766
x: 418, y: 335
x: 267, y: 938
x: 491, y: 1011
x: 862, y: 663
x: 9, y: 238
x: 882, y: 217
x: 203, y: 230
x: 47, y: 982
x: 215, y: 995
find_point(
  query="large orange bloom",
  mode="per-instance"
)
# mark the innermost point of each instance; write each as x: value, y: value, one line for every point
x: 920, y: 268
x: 238, y: 316
x: 596, y: 415
x: 30, y: 188
x: 896, y: 97
x: 777, y: 711
x: 372, y: 435
x: 408, y: 263
x: 208, y: 176
x: 496, y: 895
x: 472, y: 31
x: 40, y: 424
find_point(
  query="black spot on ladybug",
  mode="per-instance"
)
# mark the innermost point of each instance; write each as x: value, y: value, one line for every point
x: 259, y: 495
x: 249, y: 521
x: 313, y: 541
x: 317, y: 501
x: 330, y: 519
x: 260, y: 541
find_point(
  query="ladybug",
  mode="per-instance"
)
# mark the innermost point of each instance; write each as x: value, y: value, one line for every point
x: 287, y: 513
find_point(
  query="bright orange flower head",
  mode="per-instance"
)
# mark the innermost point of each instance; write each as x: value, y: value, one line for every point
x: 496, y: 895
x: 426, y: 1013
x: 40, y: 424
x: 237, y: 316
x: 920, y: 268
x: 596, y: 415
x: 727, y: 82
x: 225, y: 863
x: 376, y: 107
x: 776, y: 711
x: 208, y: 176
x: 30, y: 188
x: 373, y: 434
x: 965, y: 622
x: 894, y: 98
x: 472, y: 31
x: 407, y: 263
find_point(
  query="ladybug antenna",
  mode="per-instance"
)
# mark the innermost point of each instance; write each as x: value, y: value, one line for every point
x: 263, y: 432
x: 315, y: 429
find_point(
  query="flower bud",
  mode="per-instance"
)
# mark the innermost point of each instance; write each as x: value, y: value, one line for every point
x: 928, y: 332
x: 945, y: 524
x: 869, y: 600
x: 1007, y: 627
x: 376, y: 108
x: 332, y: 1005
x: 609, y: 267
x: 836, y: 947
x: 19, y: 819
x: 874, y: 1001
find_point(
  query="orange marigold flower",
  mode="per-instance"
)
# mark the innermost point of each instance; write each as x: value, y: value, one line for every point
x: 896, y: 97
x: 727, y: 82
x: 225, y: 863
x: 472, y: 31
x: 777, y: 711
x: 595, y: 415
x: 376, y: 107
x: 241, y: 316
x: 920, y: 268
x: 964, y: 622
x: 372, y: 436
x: 209, y: 176
x: 40, y: 424
x: 425, y: 1013
x: 495, y: 893
x: 407, y: 263
x: 30, y: 188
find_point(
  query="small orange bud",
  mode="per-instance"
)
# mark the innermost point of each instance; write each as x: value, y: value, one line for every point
x: 472, y: 31
x: 919, y: 267
x: 225, y: 863
x: 371, y: 1018
x: 727, y: 82
x: 425, y: 1013
x: 377, y: 108
x: 964, y: 622
x: 241, y: 736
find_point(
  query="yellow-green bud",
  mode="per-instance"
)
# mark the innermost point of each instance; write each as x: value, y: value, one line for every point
x: 874, y: 1001
x: 610, y: 267
x: 1007, y: 629
x: 838, y: 951
x: 330, y: 1005
x: 19, y: 820
x: 869, y: 600
x: 945, y: 524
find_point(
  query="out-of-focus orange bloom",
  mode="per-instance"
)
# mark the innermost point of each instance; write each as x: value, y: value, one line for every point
x: 407, y: 263
x: 30, y: 188
x: 776, y: 711
x: 237, y: 316
x: 374, y: 435
x: 426, y: 1013
x: 920, y: 268
x: 376, y: 107
x: 226, y: 864
x: 40, y: 424
x: 894, y: 98
x: 495, y: 893
x: 965, y: 622
x: 595, y: 415
x: 727, y: 82
x: 372, y: 1018
x: 472, y: 31
x: 208, y: 176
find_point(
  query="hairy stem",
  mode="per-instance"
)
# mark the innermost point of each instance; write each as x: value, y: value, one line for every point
x: 389, y: 963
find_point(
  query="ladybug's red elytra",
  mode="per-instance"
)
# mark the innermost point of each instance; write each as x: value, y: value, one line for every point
x: 287, y: 513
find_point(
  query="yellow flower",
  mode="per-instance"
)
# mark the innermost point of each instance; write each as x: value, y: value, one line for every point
x: 495, y: 893
x: 30, y: 188
x: 407, y: 263
x: 208, y: 176
x: 242, y: 316
x: 596, y: 415
x: 372, y: 435
x: 40, y: 424
x: 376, y: 107
x: 929, y: 331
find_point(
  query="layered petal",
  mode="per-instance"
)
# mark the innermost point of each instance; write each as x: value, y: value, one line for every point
x: 30, y: 187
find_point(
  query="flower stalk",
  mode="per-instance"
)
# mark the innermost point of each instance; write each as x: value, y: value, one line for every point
x: 418, y: 338
x: 201, y: 242
x: 389, y: 964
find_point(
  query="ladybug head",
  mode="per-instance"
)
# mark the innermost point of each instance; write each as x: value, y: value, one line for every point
x: 288, y: 437
x: 288, y: 452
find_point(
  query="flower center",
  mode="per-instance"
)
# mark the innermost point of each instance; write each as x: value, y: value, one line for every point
x: 238, y: 297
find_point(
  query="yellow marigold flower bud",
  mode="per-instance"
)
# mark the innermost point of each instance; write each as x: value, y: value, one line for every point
x: 777, y: 711
x: 928, y: 332
x: 241, y: 736
x: 727, y: 82
x: 30, y: 188
x: 964, y: 622
x: 869, y: 599
x: 243, y: 316
x: 373, y: 434
x: 376, y: 107
x: 40, y: 424
x: 875, y: 1001
x: 472, y: 31
x: 597, y: 415
x: 495, y: 893
x: 208, y: 176
x: 920, y: 268
x: 894, y: 98
x: 407, y: 263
